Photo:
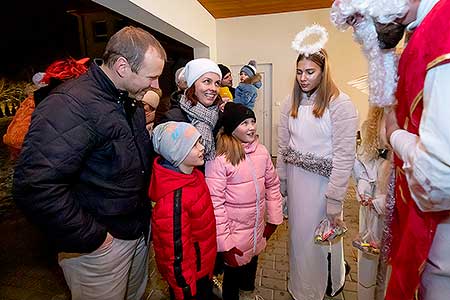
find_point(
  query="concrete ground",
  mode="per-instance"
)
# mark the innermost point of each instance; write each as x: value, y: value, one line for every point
x: 29, y: 271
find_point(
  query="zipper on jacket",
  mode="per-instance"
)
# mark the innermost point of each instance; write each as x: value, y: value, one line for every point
x: 178, y: 245
x: 129, y: 108
x: 258, y: 197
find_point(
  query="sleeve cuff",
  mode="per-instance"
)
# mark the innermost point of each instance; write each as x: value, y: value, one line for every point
x: 379, y: 205
x: 334, y: 207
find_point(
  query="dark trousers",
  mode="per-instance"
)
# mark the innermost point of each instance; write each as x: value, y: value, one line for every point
x: 204, y: 290
x: 219, y: 264
x: 239, y: 278
x: 329, y: 289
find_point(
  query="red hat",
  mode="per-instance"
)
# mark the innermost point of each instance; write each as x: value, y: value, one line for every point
x: 65, y: 69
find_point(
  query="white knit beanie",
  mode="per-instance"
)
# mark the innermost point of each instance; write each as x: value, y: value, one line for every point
x: 37, y: 78
x: 174, y: 141
x: 197, y: 67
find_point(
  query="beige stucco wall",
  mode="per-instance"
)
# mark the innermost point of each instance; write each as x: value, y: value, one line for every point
x: 267, y: 39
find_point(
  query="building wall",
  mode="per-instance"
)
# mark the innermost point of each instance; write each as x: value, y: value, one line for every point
x: 267, y: 39
x: 186, y: 21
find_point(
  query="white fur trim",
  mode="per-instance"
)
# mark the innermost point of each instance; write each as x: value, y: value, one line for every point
x: 384, y: 11
x: 382, y: 63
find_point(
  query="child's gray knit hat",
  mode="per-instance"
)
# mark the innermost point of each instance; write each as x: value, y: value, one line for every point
x: 174, y: 141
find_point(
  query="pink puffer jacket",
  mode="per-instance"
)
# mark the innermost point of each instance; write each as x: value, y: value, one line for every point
x: 243, y: 196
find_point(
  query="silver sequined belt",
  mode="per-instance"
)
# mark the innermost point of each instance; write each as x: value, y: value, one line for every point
x: 308, y: 161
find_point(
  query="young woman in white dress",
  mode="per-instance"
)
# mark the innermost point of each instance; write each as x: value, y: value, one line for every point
x: 316, y: 142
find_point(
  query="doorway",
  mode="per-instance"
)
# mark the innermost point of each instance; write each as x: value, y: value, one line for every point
x: 263, y: 104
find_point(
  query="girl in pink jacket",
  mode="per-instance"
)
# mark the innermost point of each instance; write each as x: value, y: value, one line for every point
x: 245, y: 191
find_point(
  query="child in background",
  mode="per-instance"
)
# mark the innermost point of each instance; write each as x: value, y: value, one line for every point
x: 245, y: 189
x: 150, y: 101
x: 246, y: 92
x: 371, y: 172
x: 183, y: 223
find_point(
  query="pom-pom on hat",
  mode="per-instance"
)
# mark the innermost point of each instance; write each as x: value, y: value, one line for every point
x: 174, y: 141
x: 234, y: 114
x: 249, y: 69
x: 197, y: 67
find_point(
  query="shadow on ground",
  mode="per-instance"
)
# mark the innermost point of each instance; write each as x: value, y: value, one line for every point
x: 28, y: 267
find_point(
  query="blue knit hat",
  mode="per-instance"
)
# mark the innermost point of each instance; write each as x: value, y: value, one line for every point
x: 174, y: 141
x: 249, y: 69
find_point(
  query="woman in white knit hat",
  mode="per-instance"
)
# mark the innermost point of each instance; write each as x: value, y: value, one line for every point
x: 199, y: 104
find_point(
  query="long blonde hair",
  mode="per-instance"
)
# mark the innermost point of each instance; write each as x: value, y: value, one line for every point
x: 370, y: 131
x: 230, y: 147
x: 326, y: 91
x: 370, y: 143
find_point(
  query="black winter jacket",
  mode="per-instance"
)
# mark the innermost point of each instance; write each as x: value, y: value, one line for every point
x: 84, y: 168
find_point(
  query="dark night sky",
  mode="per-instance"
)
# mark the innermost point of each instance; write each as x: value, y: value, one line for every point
x: 34, y: 34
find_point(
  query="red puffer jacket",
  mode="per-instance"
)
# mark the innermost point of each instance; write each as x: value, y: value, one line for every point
x: 183, y: 228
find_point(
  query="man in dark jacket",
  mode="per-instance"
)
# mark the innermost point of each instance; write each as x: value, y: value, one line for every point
x: 84, y: 169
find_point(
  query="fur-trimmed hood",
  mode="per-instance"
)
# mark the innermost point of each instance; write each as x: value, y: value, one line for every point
x: 254, y: 80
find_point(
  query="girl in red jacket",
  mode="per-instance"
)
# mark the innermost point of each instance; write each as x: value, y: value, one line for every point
x: 183, y: 223
x: 245, y: 190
